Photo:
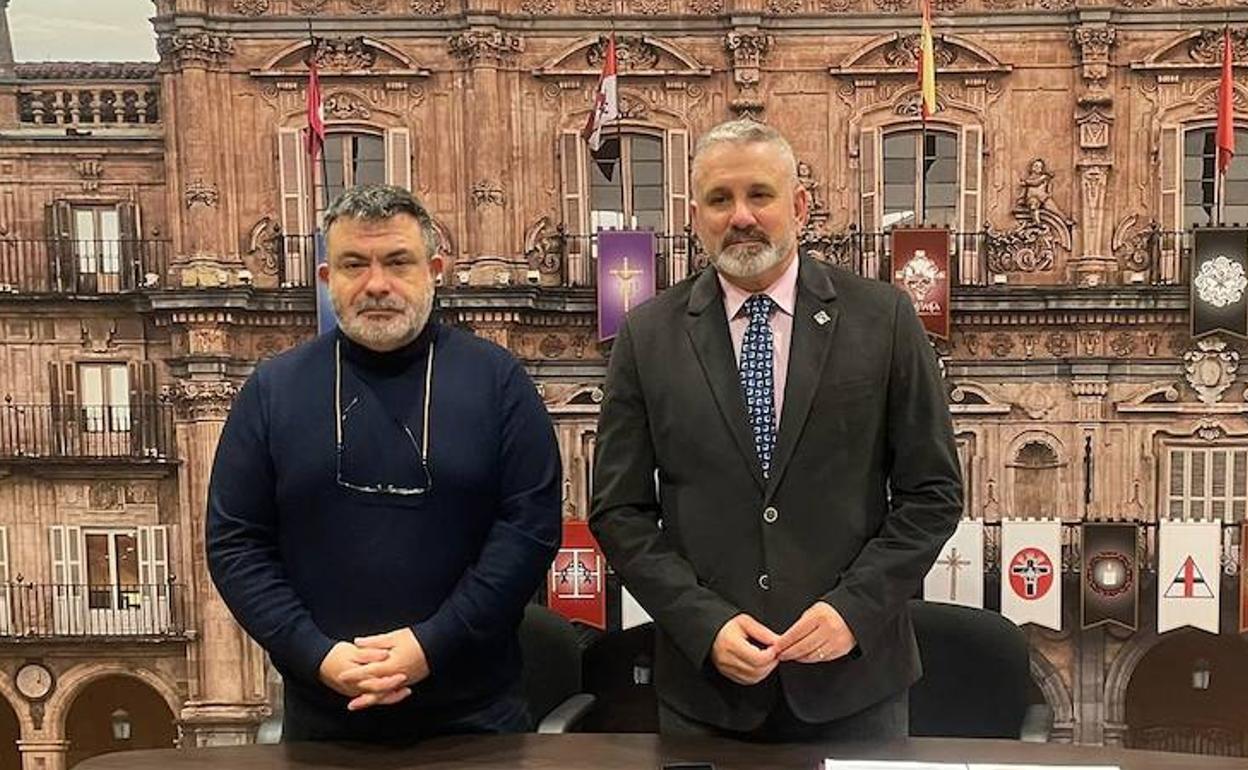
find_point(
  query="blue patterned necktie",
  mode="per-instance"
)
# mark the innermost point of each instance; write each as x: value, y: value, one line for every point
x: 757, y: 380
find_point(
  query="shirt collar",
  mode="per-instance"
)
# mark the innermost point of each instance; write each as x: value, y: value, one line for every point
x: 783, y: 291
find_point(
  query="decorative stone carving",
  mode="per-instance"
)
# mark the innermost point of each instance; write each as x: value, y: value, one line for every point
x: 202, y: 193
x: 203, y: 49
x: 367, y: 7
x: 309, y: 6
x: 631, y: 53
x: 783, y: 6
x: 1094, y: 42
x: 552, y: 346
x: 910, y: 105
x: 106, y: 496
x: 706, y: 7
x: 487, y: 192
x: 837, y: 6
x: 1207, y: 48
x: 544, y: 246
x: 594, y: 7
x: 1042, y: 228
x: 747, y: 50
x: 264, y: 245
x: 344, y: 105
x: 1136, y: 248
x: 1000, y: 344
x: 535, y: 7
x: 90, y: 170
x: 269, y: 345
x: 1208, y: 429
x: 817, y: 214
x: 904, y: 52
x: 1058, y: 344
x: 651, y: 7
x: 98, y: 334
x: 1094, y: 121
x: 843, y: 249
x: 1094, y: 179
x: 344, y: 54
x: 1090, y: 342
x: 1122, y: 344
x: 200, y: 400
x: 1152, y: 341
x: 491, y: 46
x: 632, y: 106
x: 1210, y: 368
x: 204, y: 273
x: 427, y: 7
x: 251, y: 7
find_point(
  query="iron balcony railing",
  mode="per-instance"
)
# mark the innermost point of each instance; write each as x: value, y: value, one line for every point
x: 34, y: 611
x: 142, y: 431
x: 82, y: 267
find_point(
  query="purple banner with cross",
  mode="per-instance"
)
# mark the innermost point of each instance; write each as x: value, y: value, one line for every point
x: 626, y: 276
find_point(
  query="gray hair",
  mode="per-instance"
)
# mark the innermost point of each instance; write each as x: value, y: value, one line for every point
x: 744, y: 131
x: 372, y: 202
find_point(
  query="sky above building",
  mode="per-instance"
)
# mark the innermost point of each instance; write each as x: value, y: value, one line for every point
x: 82, y: 30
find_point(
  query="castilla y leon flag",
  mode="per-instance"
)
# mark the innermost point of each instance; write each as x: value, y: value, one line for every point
x: 921, y: 270
x: 626, y: 276
x: 1219, y: 281
x: 1226, y: 106
x: 1189, y: 555
x: 1111, y: 585
x: 606, y: 103
x: 577, y: 583
x: 1031, y: 572
x: 927, y: 63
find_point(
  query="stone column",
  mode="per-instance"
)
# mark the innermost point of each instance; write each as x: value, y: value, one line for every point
x: 484, y: 50
x: 193, y: 63
x: 1093, y: 264
x: 1090, y: 687
x: 226, y: 669
x: 43, y: 754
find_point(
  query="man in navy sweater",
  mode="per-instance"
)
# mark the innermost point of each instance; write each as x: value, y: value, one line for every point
x: 385, y: 500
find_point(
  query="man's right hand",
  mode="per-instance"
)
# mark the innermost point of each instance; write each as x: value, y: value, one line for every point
x: 344, y: 657
x: 737, y: 654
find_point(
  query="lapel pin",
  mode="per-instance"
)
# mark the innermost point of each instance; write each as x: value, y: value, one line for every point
x: 821, y: 318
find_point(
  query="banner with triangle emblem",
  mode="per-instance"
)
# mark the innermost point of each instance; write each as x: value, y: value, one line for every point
x: 1188, y: 574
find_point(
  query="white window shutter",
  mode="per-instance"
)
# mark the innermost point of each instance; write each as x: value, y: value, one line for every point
x: 293, y: 172
x: 399, y: 157
x: 972, y: 184
x: 677, y: 202
x: 1171, y: 203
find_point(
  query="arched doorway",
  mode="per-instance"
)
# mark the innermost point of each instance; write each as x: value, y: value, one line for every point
x: 117, y: 713
x: 1189, y: 693
x: 10, y: 732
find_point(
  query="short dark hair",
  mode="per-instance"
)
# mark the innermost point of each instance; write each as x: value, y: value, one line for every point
x: 371, y: 202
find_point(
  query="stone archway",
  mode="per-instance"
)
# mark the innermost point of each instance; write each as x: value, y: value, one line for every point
x: 117, y: 712
x: 10, y: 734
x: 1057, y: 694
x: 1161, y: 705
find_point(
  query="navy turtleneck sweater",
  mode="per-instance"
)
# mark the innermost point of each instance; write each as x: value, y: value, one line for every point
x: 303, y: 560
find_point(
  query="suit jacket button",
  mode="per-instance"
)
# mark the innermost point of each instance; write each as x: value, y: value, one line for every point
x: 770, y: 514
x: 764, y: 582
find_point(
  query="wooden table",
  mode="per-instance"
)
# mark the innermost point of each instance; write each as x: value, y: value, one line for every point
x: 648, y: 752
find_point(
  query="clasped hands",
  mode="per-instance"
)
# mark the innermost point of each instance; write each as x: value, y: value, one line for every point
x: 746, y: 651
x: 375, y: 670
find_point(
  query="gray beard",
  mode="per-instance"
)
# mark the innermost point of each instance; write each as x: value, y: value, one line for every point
x: 753, y: 261
x: 392, y: 334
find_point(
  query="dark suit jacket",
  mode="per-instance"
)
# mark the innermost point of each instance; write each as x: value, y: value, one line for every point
x: 865, y: 489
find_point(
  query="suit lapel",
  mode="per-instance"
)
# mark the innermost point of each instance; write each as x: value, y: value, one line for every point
x: 707, y: 327
x: 814, y: 323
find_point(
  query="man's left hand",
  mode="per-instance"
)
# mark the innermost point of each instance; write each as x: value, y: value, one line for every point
x: 818, y: 636
x: 405, y: 656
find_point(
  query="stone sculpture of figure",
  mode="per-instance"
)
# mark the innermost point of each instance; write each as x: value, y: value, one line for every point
x: 1037, y: 194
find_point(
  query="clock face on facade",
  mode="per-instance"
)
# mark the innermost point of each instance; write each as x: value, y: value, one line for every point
x: 34, y: 681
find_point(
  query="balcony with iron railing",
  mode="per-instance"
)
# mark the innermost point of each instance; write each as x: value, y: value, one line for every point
x: 983, y: 258
x: 82, y: 267
x: 31, y: 612
x: 142, y: 432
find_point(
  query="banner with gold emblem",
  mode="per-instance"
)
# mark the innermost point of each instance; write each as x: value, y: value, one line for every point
x: 626, y: 276
x: 921, y: 270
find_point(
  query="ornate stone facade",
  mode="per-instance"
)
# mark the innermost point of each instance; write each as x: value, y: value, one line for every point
x: 1069, y: 311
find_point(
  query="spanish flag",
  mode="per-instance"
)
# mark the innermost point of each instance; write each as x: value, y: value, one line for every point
x: 927, y: 62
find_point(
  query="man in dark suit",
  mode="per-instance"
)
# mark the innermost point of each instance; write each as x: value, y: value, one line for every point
x: 775, y: 470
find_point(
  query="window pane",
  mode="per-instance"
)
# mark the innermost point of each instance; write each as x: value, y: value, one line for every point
x: 92, y: 386
x: 119, y: 397
x: 85, y: 239
x: 332, y: 166
x: 647, y: 199
x: 127, y: 561
x: 1177, y: 458
x: 646, y: 148
x: 110, y: 248
x: 648, y: 172
x: 99, y: 578
x: 1197, y: 486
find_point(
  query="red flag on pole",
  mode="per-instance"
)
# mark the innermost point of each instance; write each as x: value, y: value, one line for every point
x: 606, y: 103
x: 1226, y: 107
x: 316, y: 112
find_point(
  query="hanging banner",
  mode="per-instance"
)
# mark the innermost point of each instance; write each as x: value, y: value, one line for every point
x: 957, y: 576
x: 1031, y: 572
x: 626, y: 276
x: 1189, y: 569
x: 1219, y: 281
x: 1111, y: 586
x: 577, y: 584
x: 921, y: 270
